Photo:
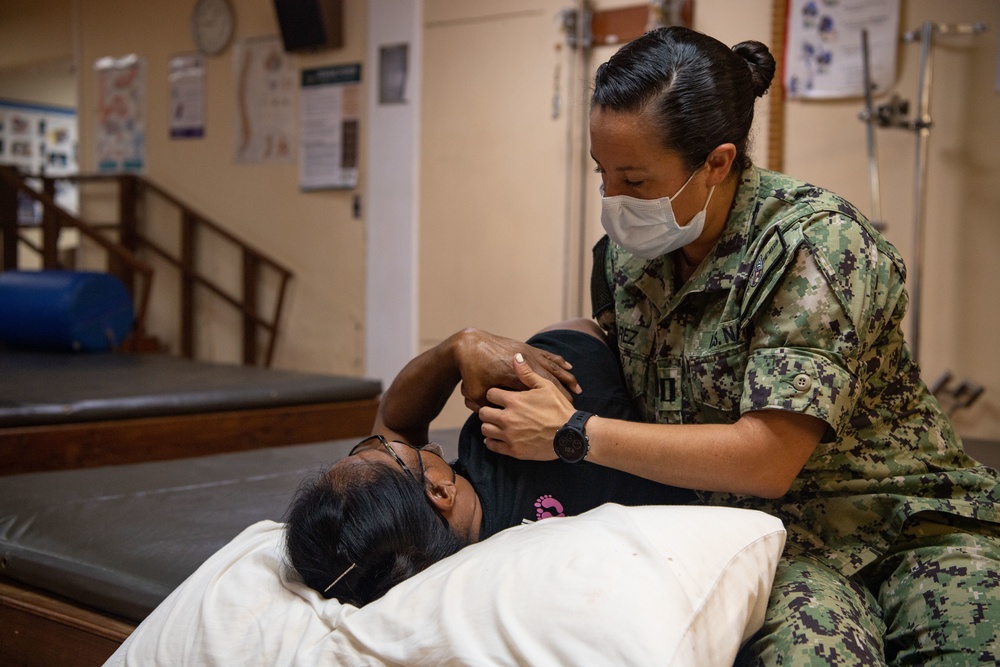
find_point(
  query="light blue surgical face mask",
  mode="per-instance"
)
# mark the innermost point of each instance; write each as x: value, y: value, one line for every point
x: 647, y: 228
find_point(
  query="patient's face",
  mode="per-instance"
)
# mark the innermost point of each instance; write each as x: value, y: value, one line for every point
x: 452, y: 494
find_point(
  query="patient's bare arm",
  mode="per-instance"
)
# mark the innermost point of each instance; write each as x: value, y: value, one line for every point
x: 477, y: 359
x: 418, y: 394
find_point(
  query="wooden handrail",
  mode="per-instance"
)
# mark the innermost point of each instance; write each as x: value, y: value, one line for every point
x: 221, y: 231
x: 58, y: 217
x: 202, y: 280
x: 132, y: 191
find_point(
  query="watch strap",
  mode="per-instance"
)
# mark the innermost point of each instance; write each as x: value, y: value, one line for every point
x: 579, y: 419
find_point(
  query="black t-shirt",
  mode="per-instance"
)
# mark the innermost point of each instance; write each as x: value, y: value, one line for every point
x: 512, y: 490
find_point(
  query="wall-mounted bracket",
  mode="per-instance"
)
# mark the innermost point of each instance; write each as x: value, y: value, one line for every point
x: 576, y: 24
x: 586, y: 28
x: 956, y: 398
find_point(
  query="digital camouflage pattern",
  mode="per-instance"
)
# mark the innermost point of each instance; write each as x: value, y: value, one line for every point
x: 934, y: 602
x: 799, y: 308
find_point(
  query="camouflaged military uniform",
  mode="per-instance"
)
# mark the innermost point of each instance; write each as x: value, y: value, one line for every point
x: 798, y: 308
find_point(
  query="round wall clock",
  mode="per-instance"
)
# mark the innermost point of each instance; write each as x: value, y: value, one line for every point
x: 212, y: 25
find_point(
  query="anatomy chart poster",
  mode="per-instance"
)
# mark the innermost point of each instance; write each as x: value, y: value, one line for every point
x: 121, y: 114
x: 823, y: 55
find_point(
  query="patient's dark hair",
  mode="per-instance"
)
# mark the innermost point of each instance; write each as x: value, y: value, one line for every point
x: 698, y: 92
x: 369, y: 515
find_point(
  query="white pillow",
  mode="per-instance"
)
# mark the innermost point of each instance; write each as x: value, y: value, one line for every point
x: 617, y: 585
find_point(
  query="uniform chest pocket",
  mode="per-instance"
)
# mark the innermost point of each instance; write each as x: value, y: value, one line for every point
x: 639, y: 373
x: 716, y: 382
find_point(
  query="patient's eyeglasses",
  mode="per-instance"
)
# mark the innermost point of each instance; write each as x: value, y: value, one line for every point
x: 377, y: 441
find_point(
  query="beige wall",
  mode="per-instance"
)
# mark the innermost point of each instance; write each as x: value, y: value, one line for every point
x: 960, y: 305
x: 313, y: 233
x: 48, y: 83
x: 471, y: 258
x: 36, y: 53
x: 493, y: 168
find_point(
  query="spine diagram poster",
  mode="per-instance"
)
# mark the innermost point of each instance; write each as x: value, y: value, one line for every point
x: 265, y: 101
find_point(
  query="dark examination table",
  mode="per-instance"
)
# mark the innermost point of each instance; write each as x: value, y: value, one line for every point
x: 86, y: 554
x: 63, y: 410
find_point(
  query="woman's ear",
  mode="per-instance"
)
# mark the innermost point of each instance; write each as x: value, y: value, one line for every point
x: 441, y: 492
x: 719, y: 162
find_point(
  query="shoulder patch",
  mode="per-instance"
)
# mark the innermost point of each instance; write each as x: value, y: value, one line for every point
x: 773, y: 255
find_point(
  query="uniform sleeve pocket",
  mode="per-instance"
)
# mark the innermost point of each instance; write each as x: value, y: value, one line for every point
x: 800, y: 381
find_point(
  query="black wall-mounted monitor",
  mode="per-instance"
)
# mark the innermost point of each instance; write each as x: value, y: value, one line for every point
x: 310, y: 25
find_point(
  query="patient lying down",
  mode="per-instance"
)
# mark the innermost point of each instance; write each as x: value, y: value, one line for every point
x: 394, y: 506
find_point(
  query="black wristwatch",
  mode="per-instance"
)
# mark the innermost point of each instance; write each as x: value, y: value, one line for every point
x: 571, y: 443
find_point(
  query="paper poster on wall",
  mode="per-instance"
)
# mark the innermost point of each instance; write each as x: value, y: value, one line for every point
x: 393, y: 66
x: 331, y: 113
x: 21, y: 132
x: 40, y: 139
x: 265, y: 101
x: 120, y: 138
x: 186, y: 79
x: 823, y: 55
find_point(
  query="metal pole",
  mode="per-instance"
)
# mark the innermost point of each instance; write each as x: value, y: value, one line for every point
x: 870, y: 123
x: 922, y: 125
x: 585, y: 40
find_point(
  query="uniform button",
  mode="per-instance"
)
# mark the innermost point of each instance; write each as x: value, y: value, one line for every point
x: 802, y: 382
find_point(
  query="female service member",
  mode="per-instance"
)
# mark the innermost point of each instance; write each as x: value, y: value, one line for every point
x: 757, y: 319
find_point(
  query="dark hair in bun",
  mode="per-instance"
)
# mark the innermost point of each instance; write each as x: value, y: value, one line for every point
x: 697, y: 91
x: 761, y: 62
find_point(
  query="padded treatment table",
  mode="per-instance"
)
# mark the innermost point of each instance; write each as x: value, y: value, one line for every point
x: 63, y: 410
x: 86, y: 554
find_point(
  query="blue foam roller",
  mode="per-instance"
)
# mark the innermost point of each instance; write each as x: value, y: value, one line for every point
x: 64, y: 310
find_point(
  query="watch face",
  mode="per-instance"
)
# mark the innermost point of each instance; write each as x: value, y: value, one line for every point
x: 570, y: 445
x: 212, y: 25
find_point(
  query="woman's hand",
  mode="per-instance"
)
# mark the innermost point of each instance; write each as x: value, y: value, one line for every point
x: 525, y: 423
x: 483, y: 360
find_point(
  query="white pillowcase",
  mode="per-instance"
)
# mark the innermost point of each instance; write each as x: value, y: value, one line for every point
x: 665, y: 585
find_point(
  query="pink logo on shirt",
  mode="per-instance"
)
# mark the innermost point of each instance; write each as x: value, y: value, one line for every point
x: 547, y: 507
